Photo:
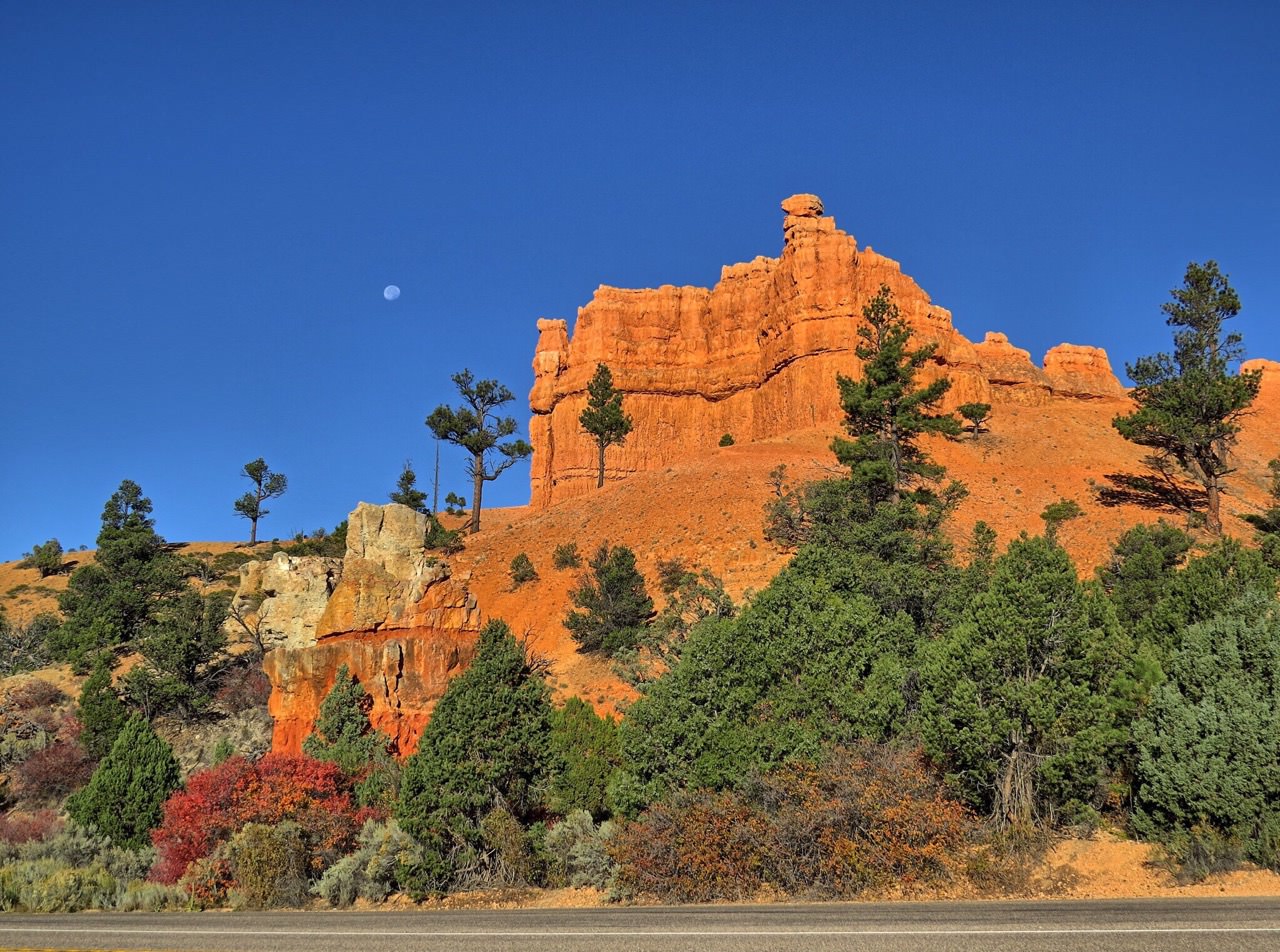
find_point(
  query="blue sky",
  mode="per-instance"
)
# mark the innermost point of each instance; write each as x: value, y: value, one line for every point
x: 200, y: 205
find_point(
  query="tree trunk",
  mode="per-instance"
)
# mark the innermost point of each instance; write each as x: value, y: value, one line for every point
x: 477, y: 490
x: 253, y: 531
x: 1213, y: 518
x: 600, y: 477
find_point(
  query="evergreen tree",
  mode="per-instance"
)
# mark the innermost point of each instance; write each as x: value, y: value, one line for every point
x: 101, y: 712
x: 124, y: 797
x: 1209, y: 743
x: 1015, y: 699
x: 107, y: 604
x: 976, y: 415
x: 266, y: 485
x: 1189, y: 402
x: 407, y: 492
x: 344, y: 735
x: 477, y: 429
x: 586, y: 754
x: 603, y: 417
x: 1142, y: 566
x: 485, y: 748
x: 45, y: 559
x: 885, y: 412
x: 179, y: 645
x: 613, y: 600
x: 1213, y: 583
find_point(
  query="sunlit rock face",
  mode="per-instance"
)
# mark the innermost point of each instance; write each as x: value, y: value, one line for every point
x: 395, y: 617
x: 757, y: 356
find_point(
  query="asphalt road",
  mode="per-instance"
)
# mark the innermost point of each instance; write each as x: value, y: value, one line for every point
x: 1167, y: 925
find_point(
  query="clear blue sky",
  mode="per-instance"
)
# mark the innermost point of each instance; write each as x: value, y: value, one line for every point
x: 200, y: 205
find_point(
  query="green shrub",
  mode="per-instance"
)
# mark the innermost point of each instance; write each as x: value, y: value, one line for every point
x: 269, y: 866
x: 587, y: 754
x: 1209, y: 742
x: 50, y: 886
x: 151, y: 897
x: 566, y: 556
x: 372, y: 871
x: 522, y: 571
x: 726, y: 440
x: 613, y: 601
x: 46, y: 558
x: 579, y: 851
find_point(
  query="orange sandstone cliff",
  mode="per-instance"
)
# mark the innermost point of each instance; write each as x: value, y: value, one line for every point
x: 757, y: 355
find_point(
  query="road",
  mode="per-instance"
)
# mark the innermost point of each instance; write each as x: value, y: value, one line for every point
x: 1167, y: 925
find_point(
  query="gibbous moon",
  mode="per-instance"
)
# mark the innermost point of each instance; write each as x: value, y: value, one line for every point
x: 391, y: 292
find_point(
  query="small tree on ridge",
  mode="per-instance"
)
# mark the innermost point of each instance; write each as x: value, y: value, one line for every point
x: 266, y: 485
x: 477, y: 429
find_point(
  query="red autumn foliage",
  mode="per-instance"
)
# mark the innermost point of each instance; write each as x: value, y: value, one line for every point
x: 57, y: 770
x: 867, y: 817
x: 17, y: 827
x: 217, y: 802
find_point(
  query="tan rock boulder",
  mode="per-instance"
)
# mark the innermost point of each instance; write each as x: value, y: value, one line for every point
x: 803, y: 206
x: 283, y: 598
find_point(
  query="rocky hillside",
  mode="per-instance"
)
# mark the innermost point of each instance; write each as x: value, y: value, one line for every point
x: 755, y: 357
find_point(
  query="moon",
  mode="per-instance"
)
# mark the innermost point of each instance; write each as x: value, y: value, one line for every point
x: 391, y: 292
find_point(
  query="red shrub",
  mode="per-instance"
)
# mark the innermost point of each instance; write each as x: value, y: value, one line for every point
x: 868, y: 817
x: 217, y: 802
x: 36, y: 693
x: 243, y: 690
x: 55, y: 771
x: 16, y: 827
x: 704, y: 846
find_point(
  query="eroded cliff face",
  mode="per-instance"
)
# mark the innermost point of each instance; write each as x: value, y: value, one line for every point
x: 756, y: 357
x: 394, y: 615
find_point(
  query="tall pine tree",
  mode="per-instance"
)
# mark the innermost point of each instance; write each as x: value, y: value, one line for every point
x: 1190, y: 403
x: 886, y: 412
x: 603, y: 417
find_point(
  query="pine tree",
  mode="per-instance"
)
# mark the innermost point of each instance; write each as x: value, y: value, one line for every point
x: 976, y: 415
x: 344, y: 735
x: 613, y: 600
x: 1189, y: 402
x: 101, y: 712
x: 1209, y: 742
x: 181, y: 643
x: 266, y: 485
x: 1014, y: 699
x: 124, y: 797
x: 407, y: 492
x: 885, y: 412
x: 108, y: 603
x: 486, y: 747
x: 603, y: 417
x: 477, y: 429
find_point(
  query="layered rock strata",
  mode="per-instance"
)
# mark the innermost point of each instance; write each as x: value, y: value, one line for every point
x: 394, y: 616
x: 756, y: 356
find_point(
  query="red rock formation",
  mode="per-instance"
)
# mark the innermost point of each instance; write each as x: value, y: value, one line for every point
x: 756, y: 356
x: 397, y: 619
